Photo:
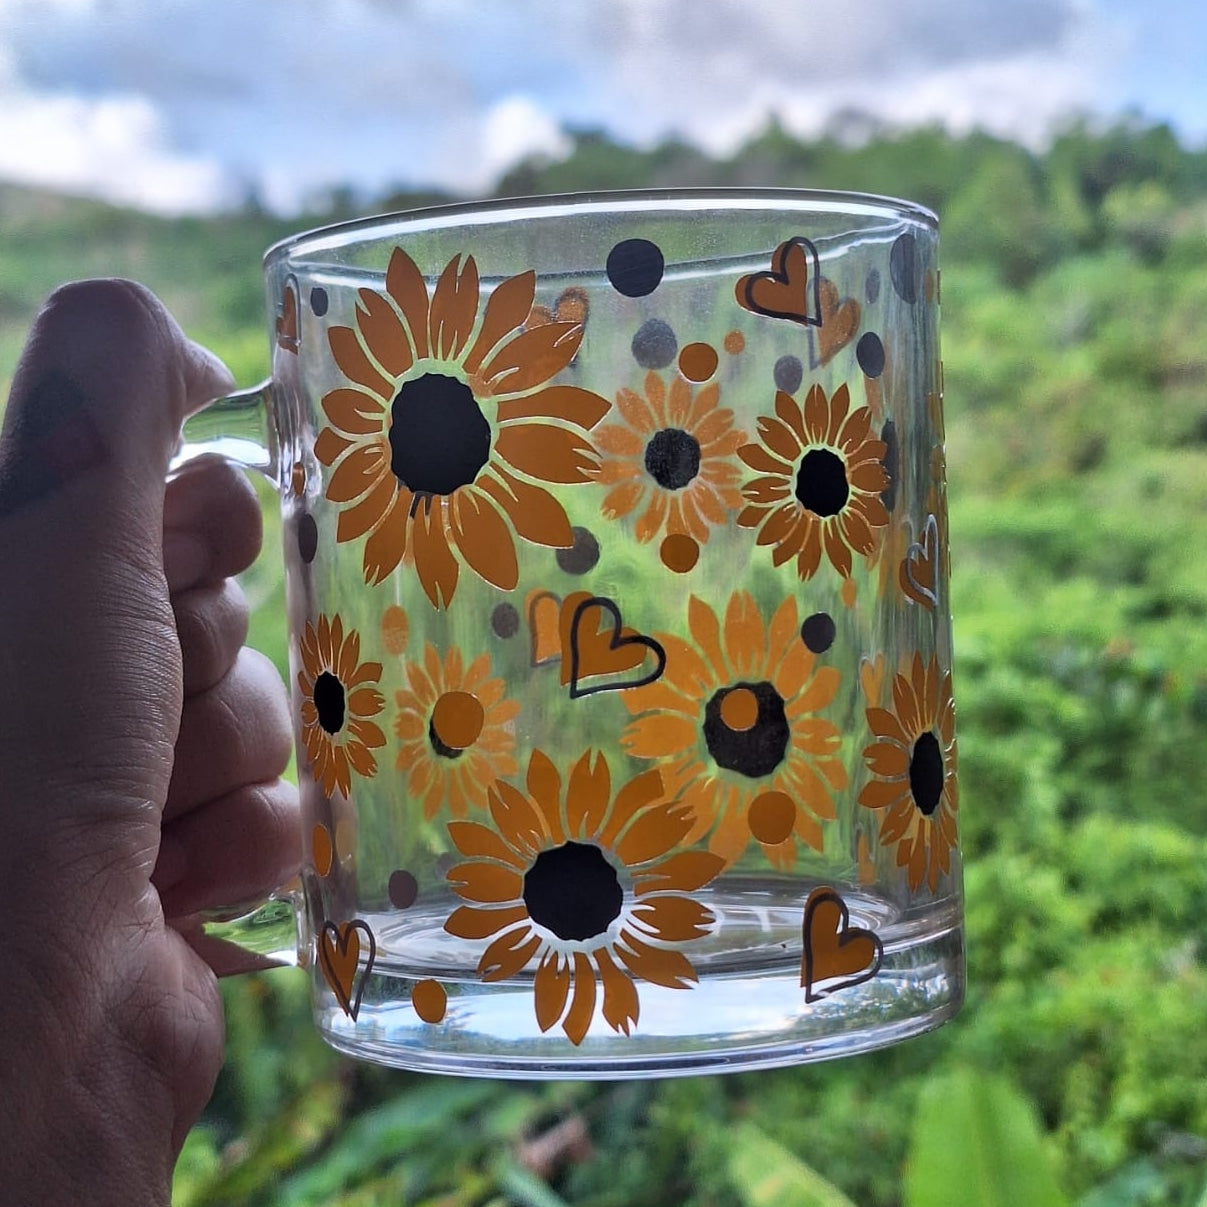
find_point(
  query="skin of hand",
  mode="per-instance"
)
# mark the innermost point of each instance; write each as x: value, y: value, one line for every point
x: 140, y: 750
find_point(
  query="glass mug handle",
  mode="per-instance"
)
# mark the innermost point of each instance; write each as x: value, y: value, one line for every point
x: 242, y: 428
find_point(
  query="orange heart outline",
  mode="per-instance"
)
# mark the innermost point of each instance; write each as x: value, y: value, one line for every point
x: 287, y: 320
x: 790, y: 290
x: 339, y: 948
x: 919, y: 567
x: 836, y: 953
x: 838, y: 325
x: 618, y: 639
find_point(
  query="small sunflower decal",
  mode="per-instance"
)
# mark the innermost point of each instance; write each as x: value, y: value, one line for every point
x: 455, y: 730
x: 913, y: 767
x: 447, y: 426
x: 822, y: 477
x: 584, y: 885
x: 670, y: 459
x: 339, y: 695
x: 736, y: 721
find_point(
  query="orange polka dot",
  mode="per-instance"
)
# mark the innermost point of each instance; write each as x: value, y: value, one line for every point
x: 320, y: 849
x: 740, y: 709
x: 679, y: 552
x: 735, y: 342
x: 849, y: 591
x: 698, y: 362
x: 429, y: 1000
x: 457, y: 719
x: 345, y: 837
x: 572, y: 305
x: 771, y: 817
x: 297, y: 481
x: 394, y: 629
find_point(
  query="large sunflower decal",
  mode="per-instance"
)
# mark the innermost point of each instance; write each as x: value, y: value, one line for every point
x: 670, y: 459
x: 823, y: 475
x: 736, y: 721
x: 583, y: 884
x: 913, y: 766
x: 448, y: 424
x: 455, y: 729
x: 339, y: 695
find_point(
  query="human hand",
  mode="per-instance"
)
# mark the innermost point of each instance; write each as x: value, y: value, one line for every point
x: 140, y: 750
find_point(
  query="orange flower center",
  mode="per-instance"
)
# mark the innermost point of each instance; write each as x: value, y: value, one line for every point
x: 672, y: 458
x: 573, y: 891
x: 439, y: 438
x: 329, y: 701
x: 926, y: 773
x: 821, y: 482
x: 746, y: 729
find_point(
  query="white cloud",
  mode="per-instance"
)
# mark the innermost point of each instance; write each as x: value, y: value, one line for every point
x: 514, y: 129
x: 113, y: 147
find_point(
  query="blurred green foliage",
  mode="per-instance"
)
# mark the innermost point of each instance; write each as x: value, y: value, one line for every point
x: 1075, y: 343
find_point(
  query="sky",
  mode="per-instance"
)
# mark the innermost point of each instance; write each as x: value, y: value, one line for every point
x: 181, y: 106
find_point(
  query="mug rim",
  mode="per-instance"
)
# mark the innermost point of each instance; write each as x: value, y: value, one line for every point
x: 831, y: 200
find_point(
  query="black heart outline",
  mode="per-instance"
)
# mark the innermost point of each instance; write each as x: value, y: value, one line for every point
x: 347, y: 1004
x: 812, y: 316
x: 816, y: 897
x: 615, y: 641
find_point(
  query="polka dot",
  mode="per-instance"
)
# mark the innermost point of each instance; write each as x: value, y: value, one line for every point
x: 457, y: 719
x: 771, y: 817
x: 679, y: 552
x: 870, y: 354
x: 698, y: 362
x: 818, y: 632
x: 297, y: 479
x: 735, y: 343
x: 429, y: 1000
x: 789, y: 373
x: 403, y: 889
x: 654, y: 346
x: 394, y: 629
x: 345, y: 836
x: 582, y: 555
x: 321, y: 850
x: 319, y: 300
x: 635, y: 267
x: 871, y: 287
x: 505, y: 621
x: 740, y: 709
x: 308, y: 538
x: 903, y: 267
x: 572, y: 305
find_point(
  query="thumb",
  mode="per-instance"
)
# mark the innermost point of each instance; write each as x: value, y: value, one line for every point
x: 89, y: 665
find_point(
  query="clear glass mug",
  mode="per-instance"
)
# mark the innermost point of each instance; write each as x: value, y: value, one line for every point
x: 616, y: 567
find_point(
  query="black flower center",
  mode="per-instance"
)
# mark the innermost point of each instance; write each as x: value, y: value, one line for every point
x: 756, y: 749
x: 439, y: 438
x: 329, y: 700
x: 573, y: 891
x: 926, y: 773
x: 821, y: 482
x: 443, y: 750
x: 672, y: 458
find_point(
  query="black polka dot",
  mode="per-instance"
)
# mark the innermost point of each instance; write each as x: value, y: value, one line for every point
x: 582, y: 555
x: 903, y: 267
x: 308, y: 538
x: 319, y: 300
x: 635, y: 267
x: 891, y: 462
x: 789, y: 373
x: 870, y: 354
x: 654, y: 346
x: 403, y: 889
x: 818, y: 632
x: 505, y: 621
x: 871, y: 287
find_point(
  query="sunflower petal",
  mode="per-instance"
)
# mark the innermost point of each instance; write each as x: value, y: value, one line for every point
x: 532, y: 357
x: 386, y: 546
x: 520, y: 823
x: 879, y: 794
x: 405, y: 284
x: 508, y: 954
x: 360, y: 470
x: 484, y: 539
x: 550, y: 988
x: 582, y: 1004
x: 454, y: 307
x: 817, y: 415
x: 383, y: 333
x: 622, y: 499
x: 672, y: 918
x: 654, y: 833
x: 778, y: 438
x: 475, y: 840
x: 355, y: 364
x: 639, y: 792
x: 706, y: 629
x: 620, y: 1003
x: 837, y: 550
x: 507, y: 308
x: 486, y: 883
x: 547, y: 453
x: 329, y: 446
x: 469, y: 922
x: 358, y: 519
x: 587, y: 796
x: 790, y: 414
x: 571, y: 403
x: 761, y: 461
x: 537, y: 516
x: 354, y: 412
x: 744, y: 636
x: 636, y: 412
x: 685, y: 872
x: 545, y: 789
x: 434, y: 562
x: 659, y: 735
x: 658, y: 965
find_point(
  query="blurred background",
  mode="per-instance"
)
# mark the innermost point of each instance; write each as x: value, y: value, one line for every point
x: 1063, y: 144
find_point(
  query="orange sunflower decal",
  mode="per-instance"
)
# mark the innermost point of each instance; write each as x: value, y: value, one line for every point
x: 669, y: 460
x: 584, y: 884
x: 823, y: 475
x: 913, y: 765
x: 448, y: 424
x: 736, y: 721
x: 338, y: 698
x: 455, y: 729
